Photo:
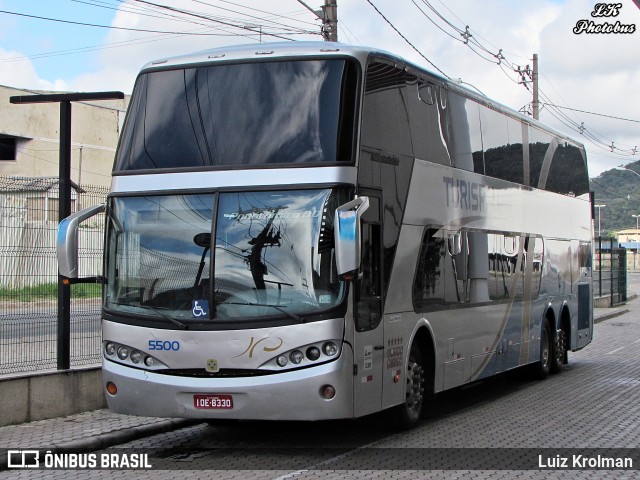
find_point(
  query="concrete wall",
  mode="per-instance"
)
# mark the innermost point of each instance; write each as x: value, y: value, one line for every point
x: 95, y: 127
x: 50, y: 395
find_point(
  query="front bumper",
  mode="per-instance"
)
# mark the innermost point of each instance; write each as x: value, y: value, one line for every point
x: 293, y: 395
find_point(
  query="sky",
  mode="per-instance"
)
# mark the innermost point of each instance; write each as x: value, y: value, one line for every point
x: 589, y: 82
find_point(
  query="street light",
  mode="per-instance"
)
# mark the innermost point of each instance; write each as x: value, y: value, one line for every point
x: 599, y: 207
x: 636, y: 235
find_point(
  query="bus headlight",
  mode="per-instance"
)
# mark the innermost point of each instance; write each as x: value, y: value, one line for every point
x: 305, y: 356
x: 329, y: 349
x: 313, y: 353
x: 110, y: 349
x: 136, y: 356
x: 296, y: 357
x: 131, y: 357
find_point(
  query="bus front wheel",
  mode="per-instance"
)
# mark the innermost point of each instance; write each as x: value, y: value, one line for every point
x: 408, y: 413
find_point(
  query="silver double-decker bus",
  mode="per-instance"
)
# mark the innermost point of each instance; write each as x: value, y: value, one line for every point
x: 307, y: 231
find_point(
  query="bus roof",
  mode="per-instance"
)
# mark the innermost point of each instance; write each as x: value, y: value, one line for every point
x: 257, y: 51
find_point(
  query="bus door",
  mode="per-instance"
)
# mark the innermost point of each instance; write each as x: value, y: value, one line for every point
x: 368, y: 335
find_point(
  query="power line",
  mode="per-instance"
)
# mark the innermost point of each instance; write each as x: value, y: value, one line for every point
x: 197, y: 15
x: 245, y: 14
x: 593, y: 113
x: 406, y: 39
x: 469, y: 38
x: 106, y: 26
x: 211, y: 19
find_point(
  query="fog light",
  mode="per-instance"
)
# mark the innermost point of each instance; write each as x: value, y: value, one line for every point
x: 110, y: 349
x: 296, y: 357
x: 136, y: 356
x: 282, y: 360
x: 330, y: 349
x: 328, y: 392
x: 313, y: 353
x: 111, y: 388
x: 123, y: 353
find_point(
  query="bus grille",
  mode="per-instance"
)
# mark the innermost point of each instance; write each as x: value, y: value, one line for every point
x: 223, y: 373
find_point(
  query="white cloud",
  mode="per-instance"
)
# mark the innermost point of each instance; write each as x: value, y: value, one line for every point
x: 22, y: 74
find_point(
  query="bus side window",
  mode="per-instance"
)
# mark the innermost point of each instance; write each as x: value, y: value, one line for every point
x: 369, y: 286
x: 426, y: 119
x: 503, y: 255
x: 369, y: 293
x: 429, y: 282
x: 568, y: 172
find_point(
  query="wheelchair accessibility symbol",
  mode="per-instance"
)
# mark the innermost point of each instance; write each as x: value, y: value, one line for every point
x: 200, y: 308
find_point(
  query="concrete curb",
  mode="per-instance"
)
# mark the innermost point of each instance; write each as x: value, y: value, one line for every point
x: 613, y: 314
x: 108, y: 439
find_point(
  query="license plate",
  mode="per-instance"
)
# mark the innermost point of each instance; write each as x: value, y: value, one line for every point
x: 217, y: 402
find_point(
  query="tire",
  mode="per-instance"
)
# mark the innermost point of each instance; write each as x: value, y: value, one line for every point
x: 543, y: 366
x: 559, y: 357
x: 407, y: 415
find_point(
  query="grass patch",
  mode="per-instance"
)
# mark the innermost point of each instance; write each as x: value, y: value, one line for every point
x: 49, y: 291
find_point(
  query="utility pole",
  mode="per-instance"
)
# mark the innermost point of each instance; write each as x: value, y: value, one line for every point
x: 329, y: 16
x: 536, y: 100
x: 330, y: 20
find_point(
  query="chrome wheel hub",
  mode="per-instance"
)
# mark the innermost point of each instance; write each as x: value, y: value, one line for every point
x: 415, y: 386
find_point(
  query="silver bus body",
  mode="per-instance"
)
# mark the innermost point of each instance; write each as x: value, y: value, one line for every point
x: 478, y: 274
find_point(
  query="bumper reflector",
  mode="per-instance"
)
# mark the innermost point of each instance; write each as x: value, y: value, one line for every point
x: 111, y: 388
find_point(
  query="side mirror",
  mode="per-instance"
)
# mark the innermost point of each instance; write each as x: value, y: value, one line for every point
x: 347, y: 228
x: 67, y: 240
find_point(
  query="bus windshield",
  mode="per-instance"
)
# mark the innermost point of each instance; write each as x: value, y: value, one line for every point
x: 231, y: 115
x: 269, y: 254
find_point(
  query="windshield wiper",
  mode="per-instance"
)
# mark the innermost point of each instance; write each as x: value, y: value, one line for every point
x: 161, y: 313
x: 182, y: 326
x: 297, y: 318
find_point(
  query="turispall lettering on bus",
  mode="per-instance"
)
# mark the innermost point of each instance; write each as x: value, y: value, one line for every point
x: 464, y: 194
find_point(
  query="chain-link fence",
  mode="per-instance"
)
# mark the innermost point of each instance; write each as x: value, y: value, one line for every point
x: 29, y: 275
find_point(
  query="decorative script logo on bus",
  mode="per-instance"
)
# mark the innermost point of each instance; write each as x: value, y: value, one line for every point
x: 276, y: 343
x: 606, y: 10
x: 463, y: 194
x: 268, y: 214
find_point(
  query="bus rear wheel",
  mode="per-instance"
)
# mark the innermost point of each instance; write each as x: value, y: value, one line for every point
x: 559, y: 352
x: 543, y: 366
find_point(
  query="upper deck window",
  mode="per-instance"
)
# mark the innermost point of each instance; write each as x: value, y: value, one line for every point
x: 231, y: 115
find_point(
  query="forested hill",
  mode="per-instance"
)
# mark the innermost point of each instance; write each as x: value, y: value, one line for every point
x: 620, y: 192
